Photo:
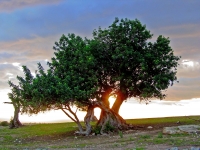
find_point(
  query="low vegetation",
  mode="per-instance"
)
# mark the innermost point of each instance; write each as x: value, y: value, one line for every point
x: 4, y: 123
x: 61, y: 135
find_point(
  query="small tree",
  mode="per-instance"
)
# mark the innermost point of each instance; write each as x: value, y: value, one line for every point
x: 69, y: 82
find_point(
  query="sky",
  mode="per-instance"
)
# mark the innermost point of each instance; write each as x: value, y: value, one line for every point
x: 29, y: 29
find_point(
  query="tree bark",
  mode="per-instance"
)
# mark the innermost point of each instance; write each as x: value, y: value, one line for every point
x: 72, y: 115
x: 87, y: 120
x: 15, y: 123
x: 109, y: 117
x: 118, y: 102
x: 106, y: 103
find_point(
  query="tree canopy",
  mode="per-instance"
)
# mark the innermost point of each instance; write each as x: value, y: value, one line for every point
x: 120, y: 60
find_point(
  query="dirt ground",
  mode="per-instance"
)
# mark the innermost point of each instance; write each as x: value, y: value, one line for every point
x: 139, y: 138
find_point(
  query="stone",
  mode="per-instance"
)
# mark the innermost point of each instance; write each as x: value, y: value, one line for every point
x: 190, y: 128
x: 149, y: 127
x: 174, y: 148
x: 171, y: 130
x: 195, y: 148
x: 182, y: 129
x: 129, y: 131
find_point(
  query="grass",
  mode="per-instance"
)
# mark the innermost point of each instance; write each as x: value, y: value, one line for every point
x: 49, y: 134
x: 152, y: 121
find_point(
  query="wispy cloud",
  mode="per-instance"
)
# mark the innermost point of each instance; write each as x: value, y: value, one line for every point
x: 26, y: 52
x: 10, y: 5
x: 23, y: 50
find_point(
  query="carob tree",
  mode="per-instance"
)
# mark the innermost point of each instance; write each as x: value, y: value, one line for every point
x: 118, y: 61
x: 129, y: 65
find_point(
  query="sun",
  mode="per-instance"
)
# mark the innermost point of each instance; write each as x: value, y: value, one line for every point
x: 111, y: 100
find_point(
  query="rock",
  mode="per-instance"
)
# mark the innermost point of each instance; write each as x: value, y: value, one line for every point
x: 149, y: 127
x: 128, y: 131
x: 190, y: 128
x: 174, y: 148
x: 195, y: 148
x: 171, y: 130
x: 182, y: 129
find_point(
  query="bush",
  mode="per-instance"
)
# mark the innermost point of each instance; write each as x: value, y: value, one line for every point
x: 97, y: 130
x: 109, y: 127
x: 4, y: 123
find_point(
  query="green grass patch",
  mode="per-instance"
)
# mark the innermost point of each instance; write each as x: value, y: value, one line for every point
x: 145, y: 136
x: 33, y: 134
x: 148, y: 121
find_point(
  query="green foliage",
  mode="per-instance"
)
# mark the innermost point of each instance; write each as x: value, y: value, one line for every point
x: 4, y: 123
x: 97, y: 130
x: 139, y: 148
x: 160, y: 135
x: 136, y: 67
x: 154, y: 121
x: 145, y: 136
x: 121, y: 134
x: 109, y: 127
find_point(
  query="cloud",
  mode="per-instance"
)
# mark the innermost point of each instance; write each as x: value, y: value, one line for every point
x: 181, y: 30
x: 24, y: 50
x: 189, y: 80
x: 10, y: 5
x: 8, y: 72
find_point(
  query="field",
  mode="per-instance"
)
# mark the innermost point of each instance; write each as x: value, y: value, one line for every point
x: 61, y: 136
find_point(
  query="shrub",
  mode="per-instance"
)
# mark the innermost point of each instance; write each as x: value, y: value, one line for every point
x: 145, y: 136
x: 4, y: 123
x: 160, y: 135
x: 109, y: 127
x: 97, y: 130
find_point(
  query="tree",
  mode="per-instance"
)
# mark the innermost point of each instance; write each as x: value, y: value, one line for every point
x: 118, y: 61
x: 67, y: 83
x: 131, y: 65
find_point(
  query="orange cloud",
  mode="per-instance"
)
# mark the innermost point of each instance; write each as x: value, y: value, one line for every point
x: 28, y: 49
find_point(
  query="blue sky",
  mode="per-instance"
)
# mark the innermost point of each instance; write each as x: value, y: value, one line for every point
x: 29, y: 29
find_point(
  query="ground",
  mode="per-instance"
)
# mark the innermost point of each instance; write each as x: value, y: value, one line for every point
x: 139, y: 138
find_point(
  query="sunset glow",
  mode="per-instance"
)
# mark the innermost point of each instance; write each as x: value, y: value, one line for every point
x: 29, y: 30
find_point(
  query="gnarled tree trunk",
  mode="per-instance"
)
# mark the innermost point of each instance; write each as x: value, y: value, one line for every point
x: 15, y: 123
x: 118, y: 102
x: 87, y: 119
x: 109, y: 117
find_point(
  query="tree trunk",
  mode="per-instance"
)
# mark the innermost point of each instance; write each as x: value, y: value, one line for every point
x: 109, y: 120
x: 118, y: 102
x: 106, y: 103
x: 15, y: 123
x: 87, y: 120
